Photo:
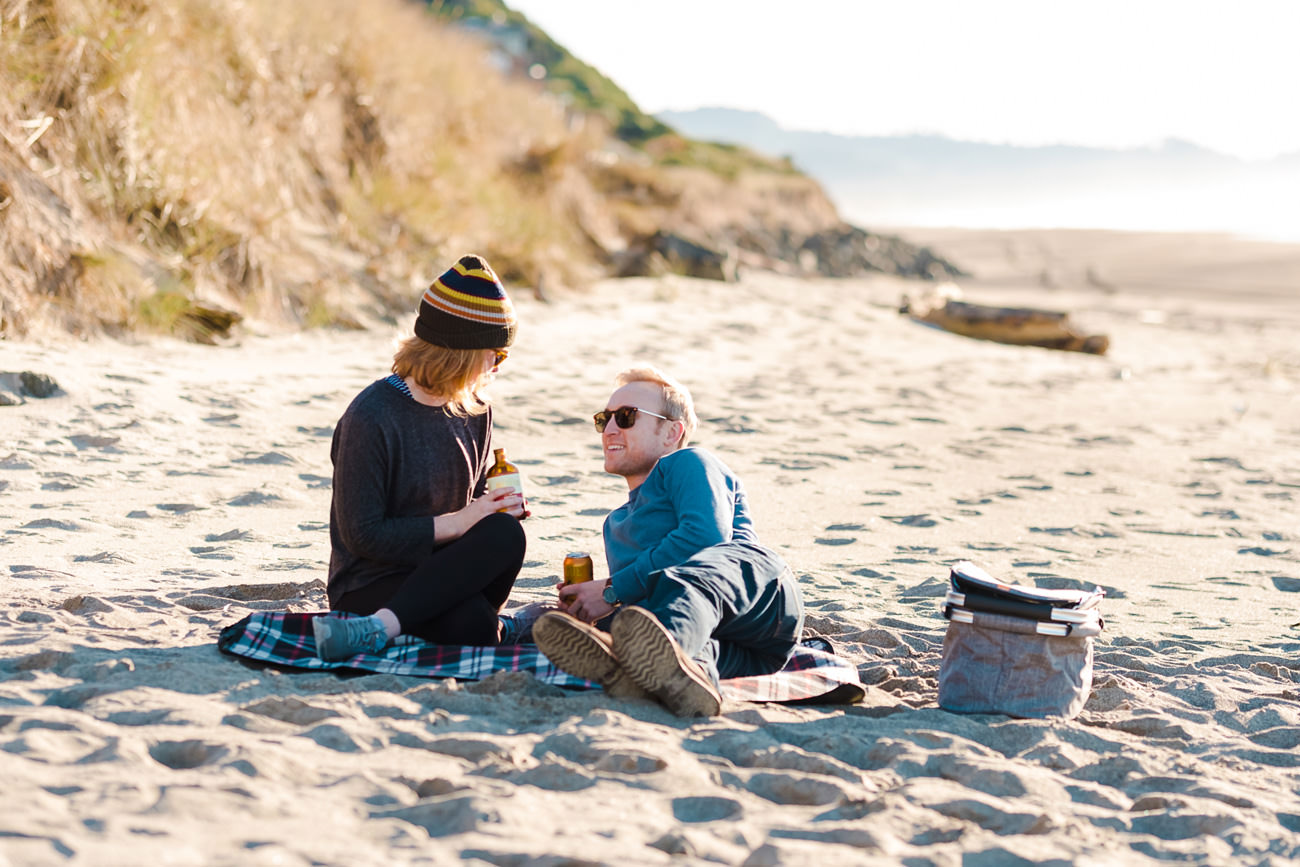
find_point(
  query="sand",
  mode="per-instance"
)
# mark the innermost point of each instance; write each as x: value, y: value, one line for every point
x: 169, y: 489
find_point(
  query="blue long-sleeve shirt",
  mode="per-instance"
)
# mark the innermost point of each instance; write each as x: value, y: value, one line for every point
x: 690, y: 501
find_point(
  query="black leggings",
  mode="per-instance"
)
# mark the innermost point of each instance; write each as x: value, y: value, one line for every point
x: 455, y: 594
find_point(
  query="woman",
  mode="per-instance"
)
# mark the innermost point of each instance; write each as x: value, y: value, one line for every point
x: 417, y: 545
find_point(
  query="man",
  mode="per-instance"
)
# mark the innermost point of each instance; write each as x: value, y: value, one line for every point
x: 695, y: 597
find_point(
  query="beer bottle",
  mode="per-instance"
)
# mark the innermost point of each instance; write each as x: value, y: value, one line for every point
x: 504, y: 474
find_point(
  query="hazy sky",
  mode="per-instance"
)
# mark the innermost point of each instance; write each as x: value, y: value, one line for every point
x: 1225, y: 75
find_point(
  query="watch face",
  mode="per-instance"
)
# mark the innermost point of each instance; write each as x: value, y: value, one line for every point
x: 610, y: 596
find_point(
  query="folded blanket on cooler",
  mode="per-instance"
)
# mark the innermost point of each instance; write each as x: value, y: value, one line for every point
x: 813, y: 675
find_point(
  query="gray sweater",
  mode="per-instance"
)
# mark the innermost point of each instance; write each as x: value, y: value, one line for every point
x: 397, y: 463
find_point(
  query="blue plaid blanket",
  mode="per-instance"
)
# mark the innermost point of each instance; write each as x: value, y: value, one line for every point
x: 813, y: 675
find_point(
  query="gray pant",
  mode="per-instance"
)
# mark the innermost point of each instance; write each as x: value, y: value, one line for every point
x: 735, y: 608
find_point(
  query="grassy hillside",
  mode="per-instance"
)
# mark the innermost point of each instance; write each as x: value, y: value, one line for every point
x: 295, y: 161
x: 173, y: 165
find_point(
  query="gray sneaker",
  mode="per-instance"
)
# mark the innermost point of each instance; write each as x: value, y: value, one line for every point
x: 584, y: 651
x: 654, y: 659
x: 345, y: 637
x: 516, y: 625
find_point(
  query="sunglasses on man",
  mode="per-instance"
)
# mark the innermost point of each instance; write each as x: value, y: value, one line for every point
x: 624, y: 417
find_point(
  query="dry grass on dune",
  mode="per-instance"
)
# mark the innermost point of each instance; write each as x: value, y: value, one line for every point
x: 266, y: 156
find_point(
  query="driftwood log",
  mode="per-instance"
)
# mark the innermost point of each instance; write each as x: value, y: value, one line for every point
x: 1020, y: 326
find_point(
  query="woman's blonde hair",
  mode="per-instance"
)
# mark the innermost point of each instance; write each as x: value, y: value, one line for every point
x: 454, y: 374
x: 677, y: 400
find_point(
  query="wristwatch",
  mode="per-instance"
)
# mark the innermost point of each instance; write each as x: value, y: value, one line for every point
x: 609, y: 595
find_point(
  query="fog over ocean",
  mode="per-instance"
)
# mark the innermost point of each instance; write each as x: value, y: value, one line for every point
x: 930, y: 180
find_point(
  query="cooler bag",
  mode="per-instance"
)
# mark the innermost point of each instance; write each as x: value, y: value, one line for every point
x: 1016, y: 650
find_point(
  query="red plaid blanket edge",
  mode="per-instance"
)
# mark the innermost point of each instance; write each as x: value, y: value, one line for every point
x: 285, y: 639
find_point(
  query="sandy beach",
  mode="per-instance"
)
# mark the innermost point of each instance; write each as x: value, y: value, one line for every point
x: 168, y: 489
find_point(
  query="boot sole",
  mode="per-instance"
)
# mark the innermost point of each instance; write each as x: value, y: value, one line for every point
x: 568, y: 644
x: 654, y: 660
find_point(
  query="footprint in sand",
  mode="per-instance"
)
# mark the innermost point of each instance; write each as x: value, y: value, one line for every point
x: 979, y: 501
x: 550, y: 481
x: 52, y: 524
x: 1263, y: 552
x: 278, y: 592
x: 1098, y: 532
x: 1221, y: 514
x: 597, y: 753
x: 840, y: 540
x: 706, y: 809
x: 340, y: 740
x: 795, y: 789
x: 37, y: 572
x: 1088, y: 442
x: 290, y: 710
x: 442, y: 816
x: 229, y: 536
x: 91, y: 441
x: 1285, y: 584
x: 213, y: 553
x: 265, y: 458
x: 186, y: 755
x: 921, y: 520
x: 255, y: 498
x: 1038, y: 484
x: 555, y: 776
x: 178, y: 508
x: 102, y: 557
x: 927, y: 589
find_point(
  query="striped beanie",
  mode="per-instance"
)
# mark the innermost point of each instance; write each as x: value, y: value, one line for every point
x: 467, y: 308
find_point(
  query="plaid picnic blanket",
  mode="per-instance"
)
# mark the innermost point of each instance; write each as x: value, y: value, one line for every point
x: 282, y: 638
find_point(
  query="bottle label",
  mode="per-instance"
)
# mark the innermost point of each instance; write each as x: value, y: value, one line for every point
x: 506, y: 480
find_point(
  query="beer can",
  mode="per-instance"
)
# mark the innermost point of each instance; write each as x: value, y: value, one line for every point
x: 577, y: 568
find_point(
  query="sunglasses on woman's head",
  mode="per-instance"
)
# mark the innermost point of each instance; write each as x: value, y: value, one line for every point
x: 624, y: 417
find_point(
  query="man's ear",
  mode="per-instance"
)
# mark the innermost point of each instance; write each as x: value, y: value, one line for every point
x: 679, y: 430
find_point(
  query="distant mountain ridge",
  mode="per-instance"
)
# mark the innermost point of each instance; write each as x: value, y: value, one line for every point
x: 934, y: 180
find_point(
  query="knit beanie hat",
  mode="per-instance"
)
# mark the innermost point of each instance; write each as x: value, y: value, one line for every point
x: 467, y: 308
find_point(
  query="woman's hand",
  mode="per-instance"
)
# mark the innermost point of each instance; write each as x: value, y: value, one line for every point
x: 453, y: 525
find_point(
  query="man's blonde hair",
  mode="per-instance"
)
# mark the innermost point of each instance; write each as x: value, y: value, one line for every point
x: 677, y: 403
x: 455, y: 374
